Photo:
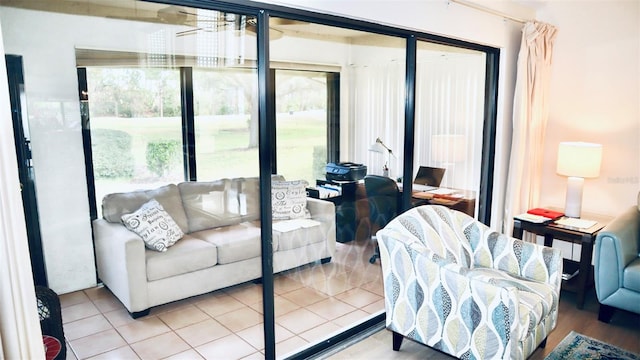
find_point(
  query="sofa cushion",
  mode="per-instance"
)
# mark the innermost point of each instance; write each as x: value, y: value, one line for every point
x: 536, y: 298
x: 234, y: 242
x: 156, y: 228
x: 632, y: 276
x: 289, y: 199
x: 207, y: 204
x: 296, y: 233
x: 187, y: 255
x: 118, y: 204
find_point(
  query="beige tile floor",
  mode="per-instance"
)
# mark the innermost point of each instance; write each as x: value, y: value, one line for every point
x: 311, y: 303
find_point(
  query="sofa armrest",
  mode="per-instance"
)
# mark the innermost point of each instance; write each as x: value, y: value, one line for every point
x: 121, y: 263
x: 616, y: 246
x: 321, y: 210
x: 442, y: 295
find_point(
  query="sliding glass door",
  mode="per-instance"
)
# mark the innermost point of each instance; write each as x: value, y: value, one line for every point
x: 176, y: 93
x: 449, y: 121
x: 318, y: 301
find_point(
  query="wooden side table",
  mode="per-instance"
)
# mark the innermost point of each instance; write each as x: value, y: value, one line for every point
x: 585, y: 237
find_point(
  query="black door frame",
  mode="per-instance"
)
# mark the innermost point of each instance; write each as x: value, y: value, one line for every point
x: 15, y: 79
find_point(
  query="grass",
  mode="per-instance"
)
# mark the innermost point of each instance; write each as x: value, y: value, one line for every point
x: 221, y: 147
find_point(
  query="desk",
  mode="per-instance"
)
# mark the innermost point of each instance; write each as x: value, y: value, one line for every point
x: 586, y: 237
x: 352, y: 208
x: 466, y: 203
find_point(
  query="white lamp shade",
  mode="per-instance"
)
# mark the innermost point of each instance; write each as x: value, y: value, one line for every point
x: 579, y: 159
x: 379, y: 148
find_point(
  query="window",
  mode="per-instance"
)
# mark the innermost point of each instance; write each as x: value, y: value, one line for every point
x: 136, y: 129
x: 301, y: 124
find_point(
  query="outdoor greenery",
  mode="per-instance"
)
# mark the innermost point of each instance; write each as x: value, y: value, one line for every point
x: 162, y: 155
x: 136, y: 126
x: 112, y: 156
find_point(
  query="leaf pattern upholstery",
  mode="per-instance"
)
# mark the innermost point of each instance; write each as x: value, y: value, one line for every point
x: 454, y: 284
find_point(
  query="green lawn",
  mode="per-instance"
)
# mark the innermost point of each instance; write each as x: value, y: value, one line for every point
x: 222, y: 145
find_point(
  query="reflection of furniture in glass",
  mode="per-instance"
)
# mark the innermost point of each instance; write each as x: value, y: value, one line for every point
x: 51, y: 322
x: 585, y: 237
x: 346, y: 209
x: 617, y: 264
x: 352, y: 208
x: 452, y: 283
x: 384, y: 201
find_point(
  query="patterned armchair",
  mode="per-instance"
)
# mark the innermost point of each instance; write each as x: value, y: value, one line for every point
x: 455, y: 285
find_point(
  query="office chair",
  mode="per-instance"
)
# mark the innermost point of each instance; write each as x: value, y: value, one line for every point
x: 383, y: 196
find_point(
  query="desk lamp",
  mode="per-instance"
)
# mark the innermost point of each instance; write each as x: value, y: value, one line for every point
x: 577, y: 160
x: 381, y: 148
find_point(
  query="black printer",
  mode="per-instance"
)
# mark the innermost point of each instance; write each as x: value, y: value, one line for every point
x: 345, y: 171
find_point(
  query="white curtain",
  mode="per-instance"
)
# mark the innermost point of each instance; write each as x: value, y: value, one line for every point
x: 378, y: 112
x: 530, y: 113
x: 19, y: 326
x: 449, y: 107
x: 449, y: 115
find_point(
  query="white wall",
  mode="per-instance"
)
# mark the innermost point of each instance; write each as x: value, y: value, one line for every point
x: 595, y: 97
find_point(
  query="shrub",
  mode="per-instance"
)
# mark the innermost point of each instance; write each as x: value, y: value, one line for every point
x: 112, y: 156
x: 319, y: 161
x: 162, y: 155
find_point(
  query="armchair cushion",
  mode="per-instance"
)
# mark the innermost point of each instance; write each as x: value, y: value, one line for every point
x: 536, y: 299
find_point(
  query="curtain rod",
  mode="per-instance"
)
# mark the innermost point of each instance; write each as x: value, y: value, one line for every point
x: 488, y: 10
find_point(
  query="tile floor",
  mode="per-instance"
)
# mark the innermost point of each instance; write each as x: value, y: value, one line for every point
x: 311, y: 303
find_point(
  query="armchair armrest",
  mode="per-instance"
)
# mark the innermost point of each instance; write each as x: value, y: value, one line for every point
x: 615, y: 247
x: 520, y: 258
x: 121, y: 263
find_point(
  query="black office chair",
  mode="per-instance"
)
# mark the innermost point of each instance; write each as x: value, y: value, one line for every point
x: 384, y: 203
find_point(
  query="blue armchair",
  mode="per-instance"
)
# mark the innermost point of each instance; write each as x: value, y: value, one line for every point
x: 617, y: 264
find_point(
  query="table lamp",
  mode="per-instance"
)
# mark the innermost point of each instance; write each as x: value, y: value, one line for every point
x: 577, y: 160
x: 381, y: 148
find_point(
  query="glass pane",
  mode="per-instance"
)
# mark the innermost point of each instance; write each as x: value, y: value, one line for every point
x: 449, y: 117
x: 314, y: 302
x: 301, y: 121
x: 201, y: 292
x: 136, y: 128
x: 226, y: 122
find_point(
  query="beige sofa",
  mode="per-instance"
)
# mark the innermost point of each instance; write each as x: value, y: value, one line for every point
x: 221, y: 245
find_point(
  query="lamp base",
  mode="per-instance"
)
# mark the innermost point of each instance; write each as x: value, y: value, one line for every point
x: 573, y: 201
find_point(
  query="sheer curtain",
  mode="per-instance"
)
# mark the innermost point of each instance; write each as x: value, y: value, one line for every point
x: 449, y: 114
x: 378, y: 112
x: 530, y: 114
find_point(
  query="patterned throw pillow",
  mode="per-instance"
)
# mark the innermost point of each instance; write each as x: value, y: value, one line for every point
x: 289, y: 199
x: 154, y: 225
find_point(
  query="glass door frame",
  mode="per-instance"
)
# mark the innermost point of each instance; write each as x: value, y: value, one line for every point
x: 266, y: 120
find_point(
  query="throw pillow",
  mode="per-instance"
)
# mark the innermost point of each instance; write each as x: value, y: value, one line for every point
x: 154, y: 225
x: 289, y: 199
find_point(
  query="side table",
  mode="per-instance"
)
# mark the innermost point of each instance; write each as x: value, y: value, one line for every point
x: 585, y: 237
